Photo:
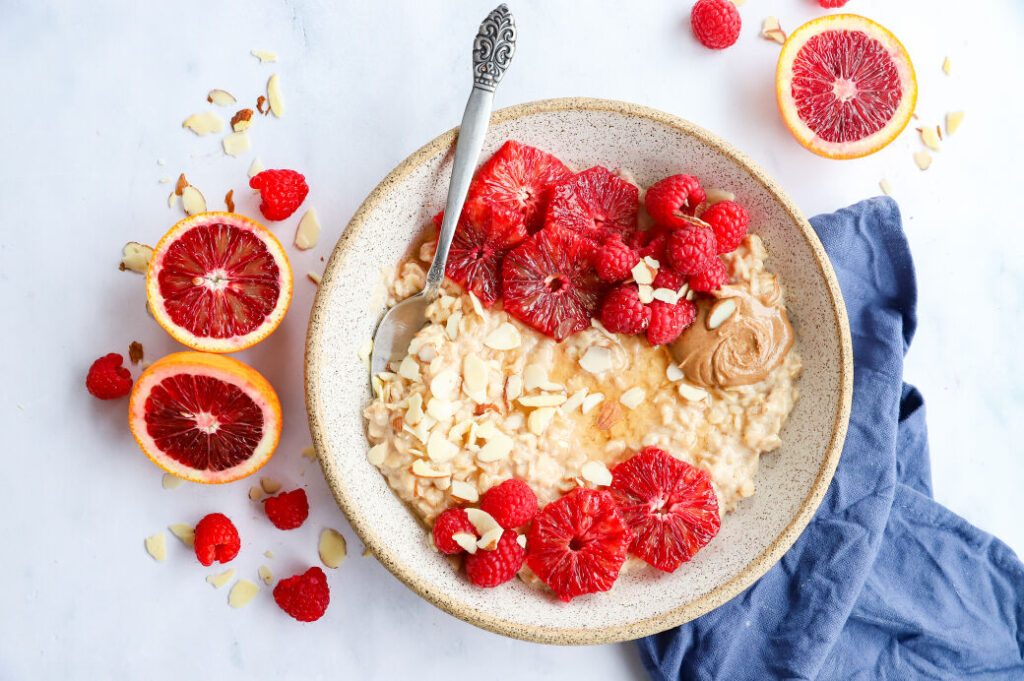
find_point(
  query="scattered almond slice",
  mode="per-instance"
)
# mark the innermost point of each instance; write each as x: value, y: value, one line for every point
x: 221, y: 98
x: 165, y: 180
x: 596, y: 472
x: 665, y: 295
x: 135, y: 257
x: 265, y: 574
x: 947, y: 66
x: 444, y: 385
x: 192, y: 200
x: 309, y: 453
x: 308, y: 233
x: 241, y: 593
x: 439, y: 447
x: 692, y: 393
x: 505, y: 337
x: 930, y: 138
x: 440, y: 410
x: 377, y: 453
x: 255, y: 493
x: 521, y: 540
x: 236, y: 144
x: 886, y: 186
x: 451, y: 326
x: 633, y: 397
x: 646, y: 294
x: 482, y: 521
x: 365, y: 350
x: 642, y: 273
x: 171, y: 200
x: 591, y: 401
x: 179, y: 187
x: 170, y: 481
x: 242, y: 120
x: 256, y: 167
x: 221, y: 578
x: 333, y: 548
x: 770, y: 30
x: 409, y: 368
x: 268, y: 553
x: 474, y: 378
x: 489, y: 541
x: 720, y: 312
x: 264, y: 56
x: 574, y: 401
x: 497, y: 447
x: 274, y: 96
x: 545, y: 400
x: 597, y: 359
x: 422, y: 469
x: 464, y: 491
x: 204, y: 123
x: 414, y: 409
x: 953, y: 121
x: 156, y: 546
x: 270, y: 486
x: 673, y: 373
x: 186, y: 533
x: 923, y: 159
x: 652, y: 263
x: 718, y: 195
x: 466, y: 541
x: 539, y: 420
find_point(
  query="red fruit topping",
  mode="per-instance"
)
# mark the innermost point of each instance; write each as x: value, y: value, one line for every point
x: 549, y: 282
x: 669, y: 505
x: 716, y: 23
x: 668, y: 278
x: 512, y: 503
x: 305, y: 597
x: 615, y: 260
x: 282, y: 191
x: 655, y: 248
x: 669, y: 199
x: 485, y: 234
x: 622, y: 311
x: 107, y: 379
x: 691, y: 248
x: 578, y: 543
x: 520, y: 178
x: 595, y: 203
x: 729, y: 221
x: 216, y: 539
x: 832, y: 4
x: 288, y: 510
x: 491, y: 568
x: 711, y: 278
x: 449, y: 523
x: 669, y: 320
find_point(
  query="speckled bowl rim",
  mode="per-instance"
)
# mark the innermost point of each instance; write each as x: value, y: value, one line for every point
x: 686, y: 611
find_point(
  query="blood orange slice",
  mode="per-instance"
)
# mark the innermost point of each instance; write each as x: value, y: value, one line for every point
x: 845, y: 86
x: 205, y: 417
x: 219, y: 282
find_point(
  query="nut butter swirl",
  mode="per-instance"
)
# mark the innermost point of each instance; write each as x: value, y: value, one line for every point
x: 743, y: 349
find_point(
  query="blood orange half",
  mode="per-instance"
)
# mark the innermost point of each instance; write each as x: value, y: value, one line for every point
x: 219, y: 282
x: 205, y: 417
x: 845, y: 86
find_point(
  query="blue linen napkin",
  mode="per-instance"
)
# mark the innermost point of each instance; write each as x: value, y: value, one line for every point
x: 884, y: 583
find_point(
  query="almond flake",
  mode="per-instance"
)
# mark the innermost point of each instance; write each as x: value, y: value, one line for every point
x: 164, y: 180
x: 596, y: 472
x: 221, y: 578
x: 923, y: 159
x: 947, y: 67
x: 422, y: 469
x: 156, y: 546
x: 633, y: 397
x: 464, y: 491
x: 574, y: 401
x: 236, y: 144
x: 268, y: 553
x: 263, y: 56
x: 274, y: 96
x: 718, y: 195
x: 666, y: 295
x: 505, y: 337
x: 451, y: 326
x: 171, y: 481
x: 365, y: 351
x: 482, y: 521
x: 546, y: 400
x: 256, y: 167
x: 265, y: 574
x: 652, y: 263
x: 377, y: 453
x: 596, y: 359
x: 497, y: 447
x: 953, y: 121
x: 414, y: 409
x: 255, y: 493
x: 521, y: 540
x: 477, y: 307
x: 309, y: 453
x: 444, y: 385
x: 242, y: 120
x: 489, y: 541
x: 466, y: 541
x: 690, y: 295
x: 441, y: 410
x: 513, y: 387
x: 314, y: 277
x: 474, y: 378
x: 221, y: 98
x: 645, y: 293
x: 692, y: 392
x: 204, y: 123
x: 241, y: 593
x: 930, y: 138
x: 886, y: 186
x: 270, y: 486
x: 540, y: 419
x: 674, y: 373
x: 642, y: 273
x: 591, y: 401
x: 439, y: 448
x: 186, y: 533
x: 308, y: 233
x: 409, y: 368
x: 720, y: 312
x: 770, y: 30
x: 333, y: 548
x: 181, y: 184
x: 192, y: 200
x: 135, y: 257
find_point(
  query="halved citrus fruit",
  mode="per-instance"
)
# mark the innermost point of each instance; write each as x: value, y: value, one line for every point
x: 219, y: 282
x: 845, y: 86
x: 205, y: 417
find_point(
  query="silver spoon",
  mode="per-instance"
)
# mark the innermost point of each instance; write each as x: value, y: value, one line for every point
x: 493, y: 48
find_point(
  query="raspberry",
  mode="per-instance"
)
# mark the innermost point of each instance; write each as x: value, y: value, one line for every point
x: 305, y: 597
x: 512, y: 503
x: 216, y: 539
x: 282, y: 191
x: 622, y: 311
x: 668, y: 278
x: 711, y: 278
x: 615, y: 260
x: 716, y: 23
x: 729, y: 221
x: 831, y: 4
x: 451, y: 522
x: 655, y: 248
x: 672, y: 197
x: 288, y: 510
x: 691, y: 248
x: 107, y: 379
x: 491, y: 568
x: 669, y: 320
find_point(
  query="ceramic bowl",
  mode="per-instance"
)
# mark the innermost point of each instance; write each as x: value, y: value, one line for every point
x: 791, y: 481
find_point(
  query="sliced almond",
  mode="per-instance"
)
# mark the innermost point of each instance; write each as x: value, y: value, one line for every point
x: 265, y: 574
x: 192, y: 200
x: 422, y: 469
x: 333, y: 548
x: 718, y: 195
x: 414, y: 409
x: 691, y: 392
x: 451, y: 326
x: 674, y: 373
x: 440, y: 410
x: 923, y: 159
x: 172, y: 198
x: 513, y: 387
x: 591, y: 401
x: 474, y: 378
x: 221, y: 98
x: 186, y: 533
x: 156, y: 546
x: 534, y: 376
x: 642, y: 273
x: 409, y: 369
x: 770, y: 30
x: 482, y: 521
x: 314, y: 277
x: 596, y: 473
x: 274, y: 96
x: 135, y: 257
x: 652, y: 263
x: 256, y: 167
x: 497, y: 448
x: 953, y: 121
x: 645, y: 293
x: 241, y: 593
x: 263, y: 55
x: 309, y: 453
x: 545, y: 400
x: 255, y: 493
x: 930, y: 138
x: 720, y: 312
x: 574, y: 401
x: 439, y: 447
x: 204, y: 123
x: 489, y: 541
x: 466, y: 541
x: 242, y: 120
x: 540, y: 419
x: 477, y: 307
x: 308, y: 233
x: 270, y: 486
x: 236, y: 144
x: 377, y: 453
x: 365, y: 351
x: 521, y: 540
x: 886, y: 186
x: 633, y: 397
x: 464, y: 491
x: 505, y: 337
x: 596, y: 360
x: 444, y: 385
x: 666, y: 295
x: 171, y: 481
x: 268, y: 553
x: 221, y: 578
x: 947, y: 66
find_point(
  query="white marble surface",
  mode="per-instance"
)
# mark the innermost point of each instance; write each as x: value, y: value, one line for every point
x: 94, y: 94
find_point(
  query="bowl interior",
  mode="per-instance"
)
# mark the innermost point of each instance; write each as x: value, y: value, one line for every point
x: 791, y: 480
